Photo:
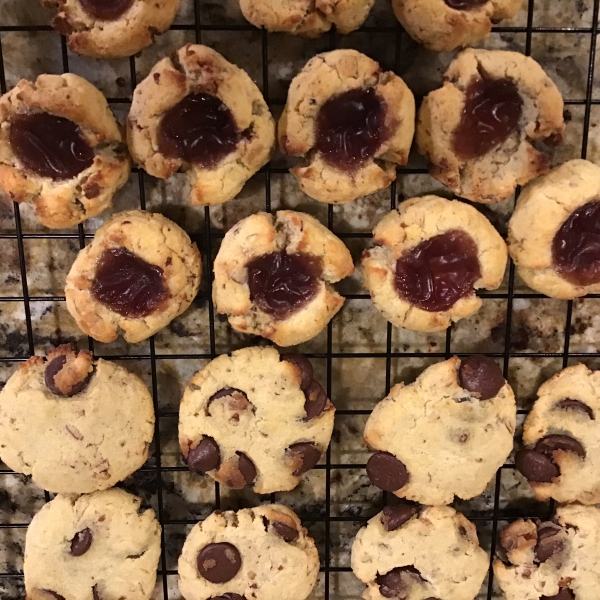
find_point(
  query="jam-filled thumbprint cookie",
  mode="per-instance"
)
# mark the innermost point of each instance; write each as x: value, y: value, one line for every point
x: 111, y: 28
x: 352, y: 122
x: 199, y: 113
x: 429, y: 257
x: 61, y: 149
x: 140, y: 272
x: 554, y: 233
x: 274, y: 276
x: 492, y: 125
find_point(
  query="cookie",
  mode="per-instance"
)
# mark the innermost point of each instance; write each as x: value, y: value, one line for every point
x: 200, y: 113
x: 255, y: 418
x: 60, y: 149
x: 559, y: 255
x: 352, y: 123
x: 140, y: 272
x: 444, y: 435
x: 308, y: 18
x: 561, y: 458
x: 429, y: 257
x: 420, y: 553
x: 114, y: 28
x: 552, y: 560
x: 75, y: 424
x: 443, y: 25
x: 92, y: 547
x: 274, y: 276
x: 261, y: 552
x: 492, y: 124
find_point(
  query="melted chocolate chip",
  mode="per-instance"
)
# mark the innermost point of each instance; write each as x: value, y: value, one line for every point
x: 535, y: 466
x: 81, y: 542
x: 563, y: 594
x: 465, y: 4
x: 199, y: 130
x: 206, y: 456
x: 305, y: 367
x: 106, y: 10
x: 576, y: 246
x: 289, y: 534
x: 238, y: 399
x: 128, y: 284
x: 386, y: 472
x: 228, y: 596
x: 547, y: 544
x: 246, y: 467
x: 396, y: 582
x: 492, y: 111
x: 308, y: 455
x: 316, y: 401
x: 549, y: 444
x: 439, y: 271
x: 49, y: 146
x: 224, y: 393
x: 54, y: 594
x: 350, y: 128
x: 95, y: 593
x: 53, y: 368
x: 480, y: 375
x: 219, y: 563
x: 395, y: 516
x: 576, y: 406
x: 282, y: 283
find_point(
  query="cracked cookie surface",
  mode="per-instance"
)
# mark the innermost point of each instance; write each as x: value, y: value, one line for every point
x: 139, y: 272
x: 59, y: 422
x: 352, y: 122
x: 39, y: 166
x: 505, y: 109
x: 229, y: 115
x: 94, y: 546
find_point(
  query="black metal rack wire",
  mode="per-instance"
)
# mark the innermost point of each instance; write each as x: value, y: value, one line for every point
x: 207, y: 237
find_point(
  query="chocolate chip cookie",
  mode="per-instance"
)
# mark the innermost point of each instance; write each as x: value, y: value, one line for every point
x: 429, y: 257
x: 139, y: 273
x: 492, y: 124
x: 200, y: 113
x: 261, y: 552
x: 60, y: 149
x: 308, y: 18
x: 111, y: 28
x: 442, y: 25
x: 97, y: 546
x: 274, y: 276
x: 255, y: 418
x: 352, y: 122
x: 74, y: 424
x: 559, y: 254
x: 446, y: 434
x: 562, y: 455
x: 552, y: 560
x: 409, y: 551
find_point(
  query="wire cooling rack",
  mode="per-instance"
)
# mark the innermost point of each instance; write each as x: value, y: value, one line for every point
x: 208, y: 239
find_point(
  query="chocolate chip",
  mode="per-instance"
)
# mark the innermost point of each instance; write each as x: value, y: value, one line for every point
x: 308, y: 455
x: 204, y: 457
x: 316, y: 401
x: 305, y: 367
x: 397, y: 581
x: 228, y: 596
x: 219, y: 563
x: 395, y: 516
x: 246, y: 467
x: 480, y: 375
x: 81, y: 542
x: 535, y: 466
x: 53, y: 368
x: 386, y: 472
x: 549, y: 444
x: 96, y: 593
x: 106, y: 11
x: 289, y: 534
x: 575, y: 406
x: 546, y: 544
x: 224, y: 393
x: 54, y: 594
x: 563, y: 594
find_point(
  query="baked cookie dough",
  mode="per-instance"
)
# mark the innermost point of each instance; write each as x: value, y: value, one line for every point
x: 60, y: 149
x: 446, y: 434
x: 92, y: 547
x: 443, y: 25
x: 430, y: 256
x: 562, y: 438
x: 261, y: 552
x: 74, y: 424
x: 553, y: 235
x: 255, y: 418
x: 139, y: 273
x: 552, y: 560
x: 352, y: 122
x: 490, y: 127
x: 274, y: 276
x: 202, y: 114
x: 111, y: 28
x: 308, y: 18
x: 408, y: 551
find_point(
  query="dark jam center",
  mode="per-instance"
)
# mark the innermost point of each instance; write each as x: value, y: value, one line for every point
x: 576, y: 246
x: 439, y: 271
x: 350, y: 128
x: 282, y: 283
x: 492, y: 111
x: 49, y: 146
x: 106, y: 10
x: 128, y: 284
x: 199, y: 130
x: 465, y: 4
